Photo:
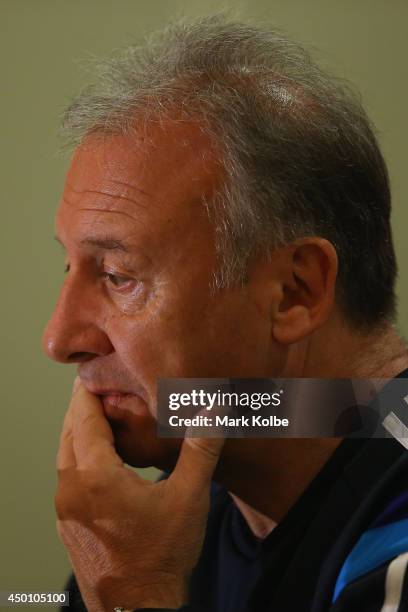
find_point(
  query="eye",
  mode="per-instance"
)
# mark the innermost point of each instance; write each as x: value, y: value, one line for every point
x: 67, y: 268
x: 118, y: 281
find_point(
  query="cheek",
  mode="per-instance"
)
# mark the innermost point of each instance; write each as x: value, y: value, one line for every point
x: 206, y: 337
x: 237, y: 337
x: 238, y: 349
x: 148, y: 345
x: 168, y: 343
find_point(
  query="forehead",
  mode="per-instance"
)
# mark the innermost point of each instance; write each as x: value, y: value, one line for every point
x: 167, y: 159
x: 157, y: 178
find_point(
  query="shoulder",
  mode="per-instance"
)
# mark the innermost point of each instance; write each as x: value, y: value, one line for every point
x: 374, y: 574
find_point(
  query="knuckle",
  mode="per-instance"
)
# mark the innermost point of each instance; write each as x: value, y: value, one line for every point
x: 68, y: 492
x: 86, y: 420
x: 63, y: 502
x: 204, y: 448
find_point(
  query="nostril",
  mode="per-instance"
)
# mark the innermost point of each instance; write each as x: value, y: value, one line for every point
x: 80, y: 356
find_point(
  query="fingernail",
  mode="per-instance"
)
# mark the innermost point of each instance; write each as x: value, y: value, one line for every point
x: 76, y: 384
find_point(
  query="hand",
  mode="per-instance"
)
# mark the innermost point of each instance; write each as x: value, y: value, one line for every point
x: 131, y: 542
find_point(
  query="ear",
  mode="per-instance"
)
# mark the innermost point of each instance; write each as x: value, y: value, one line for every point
x: 308, y: 289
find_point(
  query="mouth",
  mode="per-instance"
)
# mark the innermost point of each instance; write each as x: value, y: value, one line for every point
x: 115, y: 398
x: 116, y: 403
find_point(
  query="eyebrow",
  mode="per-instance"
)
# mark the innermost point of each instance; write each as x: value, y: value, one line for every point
x: 107, y: 244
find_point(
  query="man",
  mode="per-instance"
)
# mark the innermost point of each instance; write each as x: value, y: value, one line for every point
x: 226, y: 214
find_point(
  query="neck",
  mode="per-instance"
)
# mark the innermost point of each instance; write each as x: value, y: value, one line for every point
x: 267, y: 476
x: 379, y: 354
x: 260, y: 524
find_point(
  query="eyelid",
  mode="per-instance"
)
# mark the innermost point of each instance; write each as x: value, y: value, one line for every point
x: 114, y: 272
x: 120, y: 284
x: 122, y: 276
x: 118, y: 276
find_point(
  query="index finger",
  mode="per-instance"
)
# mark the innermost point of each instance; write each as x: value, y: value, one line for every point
x: 65, y: 455
x: 92, y: 435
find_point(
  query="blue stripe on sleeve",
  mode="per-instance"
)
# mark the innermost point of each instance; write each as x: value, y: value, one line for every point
x: 375, y: 547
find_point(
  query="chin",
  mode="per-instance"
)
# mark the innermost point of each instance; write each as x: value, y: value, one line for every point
x: 137, y: 444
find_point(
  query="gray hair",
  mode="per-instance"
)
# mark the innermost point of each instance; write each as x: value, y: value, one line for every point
x: 299, y: 153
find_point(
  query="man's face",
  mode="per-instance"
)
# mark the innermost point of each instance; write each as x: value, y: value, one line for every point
x: 137, y: 303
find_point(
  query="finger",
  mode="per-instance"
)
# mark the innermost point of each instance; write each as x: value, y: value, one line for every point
x: 65, y: 454
x: 93, y: 440
x: 197, y: 461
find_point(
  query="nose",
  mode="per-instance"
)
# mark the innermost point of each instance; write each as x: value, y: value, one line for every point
x: 73, y: 334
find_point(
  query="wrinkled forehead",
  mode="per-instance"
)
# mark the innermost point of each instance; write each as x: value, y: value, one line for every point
x: 167, y: 160
x: 144, y: 190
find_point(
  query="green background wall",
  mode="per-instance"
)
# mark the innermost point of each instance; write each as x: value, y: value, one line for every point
x: 42, y: 45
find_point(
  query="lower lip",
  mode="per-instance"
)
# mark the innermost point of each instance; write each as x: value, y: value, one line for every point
x: 117, y: 403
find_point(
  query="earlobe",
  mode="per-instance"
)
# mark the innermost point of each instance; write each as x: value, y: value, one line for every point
x: 291, y: 325
x: 307, y: 290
